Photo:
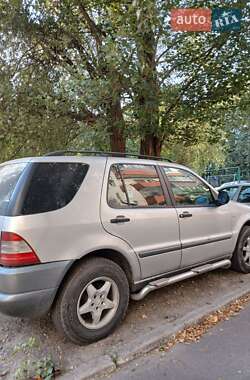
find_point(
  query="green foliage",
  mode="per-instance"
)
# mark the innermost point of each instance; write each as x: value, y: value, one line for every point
x: 94, y: 74
x: 198, y: 153
x: 39, y: 369
x: 22, y: 372
x: 43, y: 369
x: 237, y: 126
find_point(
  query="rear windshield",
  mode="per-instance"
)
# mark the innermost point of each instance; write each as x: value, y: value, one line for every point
x: 9, y: 175
x: 52, y: 186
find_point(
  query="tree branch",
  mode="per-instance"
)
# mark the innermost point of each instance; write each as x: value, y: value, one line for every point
x: 194, y: 77
x: 84, y: 115
x: 93, y: 28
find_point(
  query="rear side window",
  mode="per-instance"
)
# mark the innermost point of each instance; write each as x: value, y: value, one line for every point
x: 135, y: 185
x: 52, y: 186
x: 9, y: 175
x: 116, y: 191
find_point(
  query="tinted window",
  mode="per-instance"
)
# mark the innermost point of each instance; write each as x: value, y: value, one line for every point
x: 244, y: 196
x: 52, y: 186
x: 116, y: 192
x: 231, y: 191
x: 188, y: 189
x: 139, y: 185
x: 9, y: 175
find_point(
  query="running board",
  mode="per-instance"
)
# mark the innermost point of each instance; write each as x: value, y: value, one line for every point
x: 157, y: 284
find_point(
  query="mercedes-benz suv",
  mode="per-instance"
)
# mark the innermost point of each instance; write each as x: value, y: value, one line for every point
x: 82, y: 234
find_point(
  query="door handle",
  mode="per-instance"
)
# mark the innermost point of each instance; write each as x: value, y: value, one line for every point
x: 185, y: 214
x: 120, y: 219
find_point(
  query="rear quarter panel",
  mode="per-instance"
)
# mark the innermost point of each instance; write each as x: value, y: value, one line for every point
x: 74, y: 230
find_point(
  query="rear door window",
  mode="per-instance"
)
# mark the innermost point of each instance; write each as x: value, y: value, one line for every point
x: 52, y: 186
x: 9, y: 175
x: 117, y: 197
x: 132, y: 185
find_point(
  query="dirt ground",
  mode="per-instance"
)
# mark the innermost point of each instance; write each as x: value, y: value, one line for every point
x: 34, y: 340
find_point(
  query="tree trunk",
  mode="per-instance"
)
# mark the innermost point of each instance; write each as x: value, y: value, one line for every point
x: 148, y: 89
x: 117, y: 127
x: 117, y: 140
x: 151, y: 145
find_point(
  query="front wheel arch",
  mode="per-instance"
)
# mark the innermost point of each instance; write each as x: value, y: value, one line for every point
x: 247, y: 223
x: 238, y: 262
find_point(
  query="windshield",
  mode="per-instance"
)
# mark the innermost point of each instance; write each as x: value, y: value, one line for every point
x: 9, y: 175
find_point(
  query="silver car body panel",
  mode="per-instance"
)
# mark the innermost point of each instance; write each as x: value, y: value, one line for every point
x: 75, y: 230
x: 30, y: 291
x: 152, y: 232
x: 155, y: 241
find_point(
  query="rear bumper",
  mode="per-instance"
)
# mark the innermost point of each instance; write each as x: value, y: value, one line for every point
x: 29, y: 305
x: 30, y: 291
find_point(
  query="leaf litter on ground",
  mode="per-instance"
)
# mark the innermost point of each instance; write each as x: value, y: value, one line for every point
x: 193, y: 333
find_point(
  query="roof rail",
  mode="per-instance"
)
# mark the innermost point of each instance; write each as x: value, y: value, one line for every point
x: 105, y: 154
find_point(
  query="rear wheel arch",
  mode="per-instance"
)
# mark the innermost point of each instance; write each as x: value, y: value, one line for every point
x: 103, y: 305
x: 111, y: 254
x: 118, y: 258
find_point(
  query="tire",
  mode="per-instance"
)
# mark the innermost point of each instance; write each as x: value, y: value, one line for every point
x: 86, y: 289
x: 241, y: 256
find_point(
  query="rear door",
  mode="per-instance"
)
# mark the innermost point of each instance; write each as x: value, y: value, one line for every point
x: 205, y: 229
x: 137, y: 208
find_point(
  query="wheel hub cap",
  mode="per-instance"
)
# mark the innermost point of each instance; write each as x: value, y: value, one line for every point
x: 98, y: 303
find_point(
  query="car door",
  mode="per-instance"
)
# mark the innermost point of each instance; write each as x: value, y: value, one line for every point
x: 205, y: 229
x: 136, y: 207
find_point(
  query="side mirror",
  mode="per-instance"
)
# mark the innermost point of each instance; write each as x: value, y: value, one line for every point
x: 223, y: 198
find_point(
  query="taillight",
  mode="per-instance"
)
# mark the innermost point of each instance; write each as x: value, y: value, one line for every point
x: 15, y: 251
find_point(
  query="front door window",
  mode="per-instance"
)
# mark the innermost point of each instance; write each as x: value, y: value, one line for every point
x: 188, y: 190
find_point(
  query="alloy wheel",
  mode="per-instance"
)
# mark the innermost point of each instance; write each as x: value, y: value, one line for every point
x: 98, y: 303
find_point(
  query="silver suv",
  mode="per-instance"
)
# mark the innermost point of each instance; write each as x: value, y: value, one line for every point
x: 80, y: 235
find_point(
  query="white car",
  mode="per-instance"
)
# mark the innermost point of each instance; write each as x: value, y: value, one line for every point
x: 238, y: 191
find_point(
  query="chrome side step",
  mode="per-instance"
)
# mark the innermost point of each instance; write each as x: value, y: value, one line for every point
x: 157, y: 284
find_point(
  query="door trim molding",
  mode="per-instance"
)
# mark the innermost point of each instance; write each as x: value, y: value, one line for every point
x: 173, y: 248
x: 177, y: 247
x: 207, y: 241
